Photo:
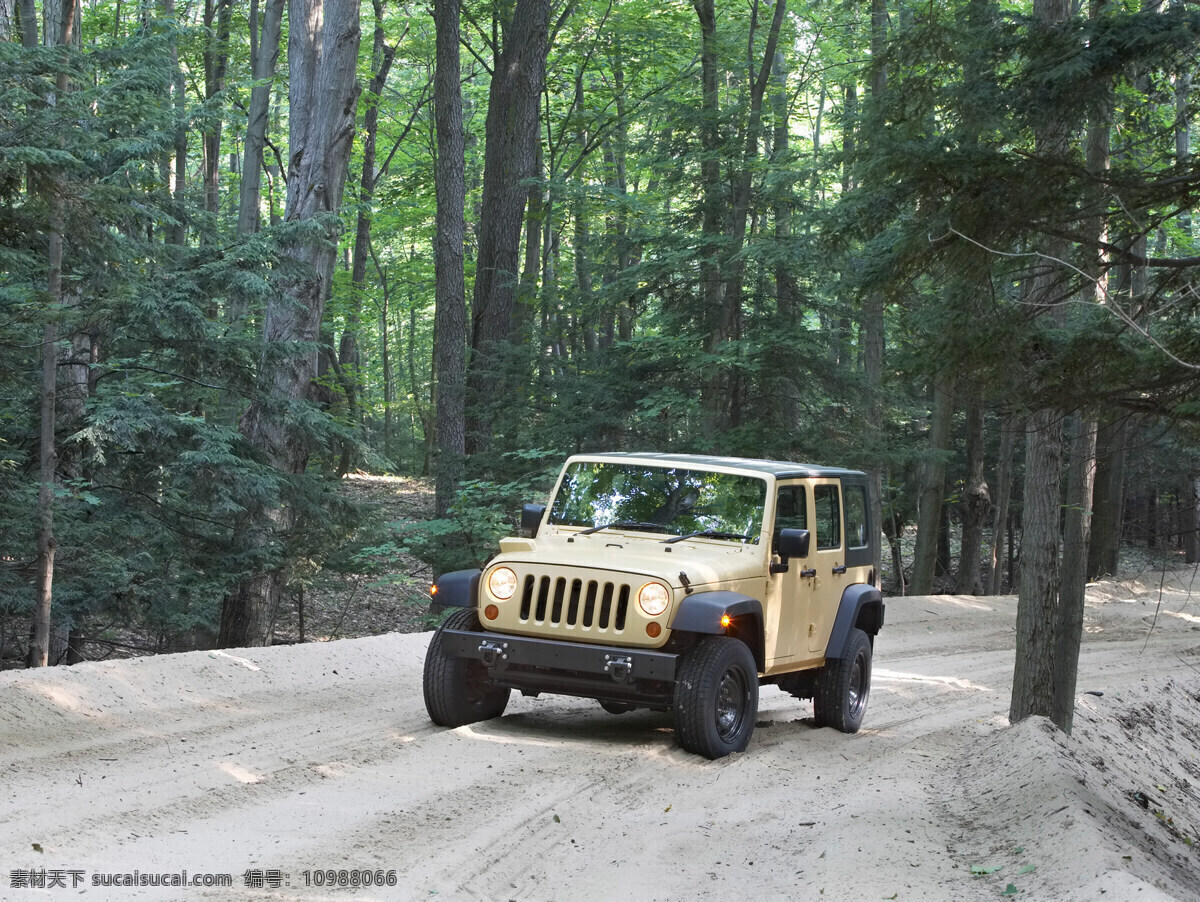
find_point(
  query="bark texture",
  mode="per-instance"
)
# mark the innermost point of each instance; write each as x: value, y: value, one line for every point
x: 322, y: 53
x: 933, y: 488
x: 450, y: 311
x: 256, y: 123
x: 975, y: 508
x: 510, y: 155
x: 1033, y: 688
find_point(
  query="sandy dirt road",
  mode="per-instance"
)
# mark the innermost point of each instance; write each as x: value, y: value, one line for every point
x: 271, y: 765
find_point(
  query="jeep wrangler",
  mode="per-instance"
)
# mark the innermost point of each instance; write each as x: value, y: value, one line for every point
x: 672, y: 582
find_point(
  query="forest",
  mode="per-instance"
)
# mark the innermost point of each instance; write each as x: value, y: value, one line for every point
x: 249, y: 248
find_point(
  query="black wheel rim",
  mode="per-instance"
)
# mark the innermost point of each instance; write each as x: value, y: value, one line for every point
x: 856, y: 693
x: 732, y: 700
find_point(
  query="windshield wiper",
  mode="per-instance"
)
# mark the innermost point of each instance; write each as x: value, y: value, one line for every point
x: 624, y: 524
x: 708, y: 534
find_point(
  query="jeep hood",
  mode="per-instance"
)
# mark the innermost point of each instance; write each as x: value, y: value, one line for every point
x: 704, y: 563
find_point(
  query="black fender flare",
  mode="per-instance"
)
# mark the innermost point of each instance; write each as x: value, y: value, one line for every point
x: 701, y: 612
x: 457, y: 589
x: 861, y: 606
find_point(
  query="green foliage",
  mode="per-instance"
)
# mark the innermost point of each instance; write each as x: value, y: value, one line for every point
x: 483, y: 512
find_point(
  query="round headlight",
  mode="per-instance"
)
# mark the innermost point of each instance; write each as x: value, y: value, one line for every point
x: 653, y: 598
x: 502, y: 583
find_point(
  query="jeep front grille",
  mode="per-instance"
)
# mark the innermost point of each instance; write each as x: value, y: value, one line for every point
x: 558, y: 601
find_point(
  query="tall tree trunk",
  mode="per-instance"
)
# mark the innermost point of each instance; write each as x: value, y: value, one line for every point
x: 57, y: 34
x: 263, y: 64
x: 619, y: 185
x: 1081, y: 476
x: 728, y: 385
x: 872, y: 311
x: 712, y: 203
x: 976, y: 506
x: 1068, y: 634
x: 349, y: 358
x: 933, y: 487
x: 450, y: 310
x: 1004, y: 484
x: 1109, y: 505
x: 1191, y: 538
x: 582, y: 238
x: 1032, y: 691
x: 216, y: 61
x: 509, y: 158
x: 176, y: 233
x: 323, y: 95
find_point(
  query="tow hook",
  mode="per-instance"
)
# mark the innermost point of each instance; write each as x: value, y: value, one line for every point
x: 492, y: 652
x: 618, y: 667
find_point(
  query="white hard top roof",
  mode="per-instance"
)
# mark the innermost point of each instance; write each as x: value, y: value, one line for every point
x: 778, y: 468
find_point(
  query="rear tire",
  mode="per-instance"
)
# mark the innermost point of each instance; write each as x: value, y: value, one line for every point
x: 844, y: 685
x: 457, y: 690
x: 716, y: 697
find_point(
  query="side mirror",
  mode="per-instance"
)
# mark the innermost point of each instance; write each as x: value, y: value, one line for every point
x: 531, y: 518
x: 792, y: 543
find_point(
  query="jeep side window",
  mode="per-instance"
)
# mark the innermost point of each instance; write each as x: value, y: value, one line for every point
x: 791, y: 511
x: 829, y: 516
x: 856, y: 516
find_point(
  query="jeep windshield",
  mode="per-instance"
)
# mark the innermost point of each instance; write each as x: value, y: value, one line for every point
x: 670, y: 501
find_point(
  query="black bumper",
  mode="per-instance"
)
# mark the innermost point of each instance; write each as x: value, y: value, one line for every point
x: 569, y: 668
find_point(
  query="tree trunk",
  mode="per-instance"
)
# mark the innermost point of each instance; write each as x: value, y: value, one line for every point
x: 349, y: 358
x: 1004, y: 483
x: 509, y: 158
x: 1068, y: 633
x: 1032, y: 692
x: 323, y: 95
x: 176, y: 231
x: 263, y: 65
x: 1109, y: 507
x: 582, y: 238
x: 57, y: 34
x: 450, y: 311
x: 976, y: 506
x: 727, y: 385
x: 933, y: 487
x: 712, y: 202
x: 216, y: 59
x: 1191, y: 538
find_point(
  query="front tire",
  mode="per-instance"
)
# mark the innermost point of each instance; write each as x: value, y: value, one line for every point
x: 457, y: 690
x: 844, y: 685
x: 716, y: 697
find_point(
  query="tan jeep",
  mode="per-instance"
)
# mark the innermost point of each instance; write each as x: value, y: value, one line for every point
x: 674, y: 582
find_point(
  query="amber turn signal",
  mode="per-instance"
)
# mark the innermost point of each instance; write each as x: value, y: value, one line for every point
x: 725, y: 621
x: 653, y: 629
x: 491, y: 612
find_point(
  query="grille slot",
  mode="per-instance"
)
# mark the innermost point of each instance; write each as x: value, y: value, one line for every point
x: 559, y: 601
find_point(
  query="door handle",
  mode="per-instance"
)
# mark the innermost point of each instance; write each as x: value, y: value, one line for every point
x: 840, y: 569
x: 809, y: 572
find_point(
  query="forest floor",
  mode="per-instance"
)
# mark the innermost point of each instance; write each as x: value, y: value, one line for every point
x: 278, y: 765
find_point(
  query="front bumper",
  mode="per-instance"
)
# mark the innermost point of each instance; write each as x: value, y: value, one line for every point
x: 568, y: 668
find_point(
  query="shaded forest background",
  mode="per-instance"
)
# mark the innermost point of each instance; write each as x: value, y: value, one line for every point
x: 951, y: 244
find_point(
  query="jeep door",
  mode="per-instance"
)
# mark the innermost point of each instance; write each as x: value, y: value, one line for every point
x: 828, y: 558
x: 804, y: 599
